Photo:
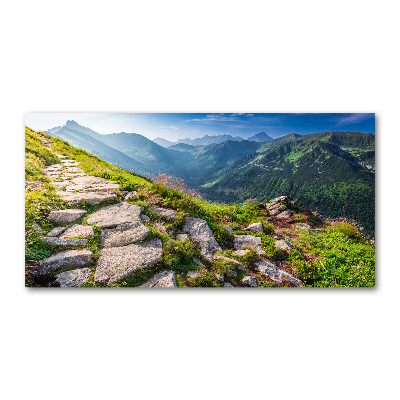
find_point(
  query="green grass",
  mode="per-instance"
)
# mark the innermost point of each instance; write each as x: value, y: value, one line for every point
x: 342, y: 257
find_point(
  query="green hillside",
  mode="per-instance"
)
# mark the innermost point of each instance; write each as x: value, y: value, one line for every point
x: 328, y: 172
x: 298, y: 250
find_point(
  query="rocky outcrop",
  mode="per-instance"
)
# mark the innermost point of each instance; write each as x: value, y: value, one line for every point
x: 116, y: 214
x: 257, y: 227
x: 73, y: 278
x: 203, y: 236
x: 124, y: 234
x: 275, y: 274
x: 69, y: 215
x: 165, y: 213
x: 249, y: 281
x: 165, y: 279
x: 119, y: 262
x: 55, y: 241
x: 75, y: 231
x: 69, y: 258
x: 240, y: 241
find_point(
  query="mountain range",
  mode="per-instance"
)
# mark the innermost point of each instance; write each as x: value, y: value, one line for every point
x: 331, y: 172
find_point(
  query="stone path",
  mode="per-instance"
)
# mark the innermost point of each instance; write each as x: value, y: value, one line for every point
x: 123, y: 235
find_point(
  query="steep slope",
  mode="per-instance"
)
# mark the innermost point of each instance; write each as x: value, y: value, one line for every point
x: 313, y: 170
x: 127, y: 236
x: 206, y: 140
x: 260, y: 137
x: 155, y: 157
x: 163, y: 142
x: 98, y: 148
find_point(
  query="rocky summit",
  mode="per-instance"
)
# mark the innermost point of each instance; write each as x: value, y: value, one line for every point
x: 92, y: 224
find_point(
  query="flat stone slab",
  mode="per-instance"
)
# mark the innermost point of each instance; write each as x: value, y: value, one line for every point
x: 183, y: 237
x: 88, y: 180
x: 124, y: 234
x: 227, y: 284
x: 69, y: 258
x: 115, y: 214
x: 92, y: 197
x: 240, y: 241
x: 73, y: 278
x: 249, y: 281
x: 55, y: 241
x: 305, y: 226
x: 256, y: 227
x: 78, y: 231
x: 283, y: 245
x: 165, y: 213
x: 276, y: 274
x: 193, y: 274
x: 131, y: 195
x: 285, y: 214
x: 120, y: 262
x: 73, y: 170
x: 165, y: 279
x: 201, y: 233
x: 68, y: 215
x: 57, y: 231
x: 240, y: 252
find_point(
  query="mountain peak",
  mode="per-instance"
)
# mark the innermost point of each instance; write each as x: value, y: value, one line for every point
x: 260, y: 137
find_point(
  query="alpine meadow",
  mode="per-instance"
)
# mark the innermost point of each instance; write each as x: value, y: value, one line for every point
x: 200, y: 200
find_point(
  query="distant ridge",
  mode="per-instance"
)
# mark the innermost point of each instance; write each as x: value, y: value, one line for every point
x: 260, y: 137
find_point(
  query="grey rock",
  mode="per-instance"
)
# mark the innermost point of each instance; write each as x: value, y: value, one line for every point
x: 69, y: 258
x: 124, y: 234
x: 165, y: 213
x: 285, y: 214
x: 227, y: 284
x: 230, y: 273
x: 160, y: 227
x: 55, y: 241
x: 131, y: 195
x: 197, y: 261
x: 88, y: 180
x: 316, y: 230
x: 78, y: 231
x: 249, y: 281
x: 68, y: 215
x: 165, y: 279
x: 274, y: 212
x: 89, y: 197
x: 228, y: 228
x: 240, y: 253
x: 256, y: 227
x: 274, y: 273
x: 119, y: 262
x: 73, y: 170
x: 73, y: 278
x: 201, y: 233
x: 305, y: 226
x: 183, y: 237
x: 236, y: 262
x: 270, y: 205
x: 36, y: 227
x: 281, y: 198
x: 240, y: 241
x: 144, y: 218
x: 220, y: 277
x: 283, y: 245
x: 115, y: 214
x: 58, y: 230
x: 193, y: 274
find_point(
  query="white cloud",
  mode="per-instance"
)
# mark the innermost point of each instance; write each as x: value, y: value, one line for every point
x: 355, y: 118
x: 171, y: 127
x: 210, y: 118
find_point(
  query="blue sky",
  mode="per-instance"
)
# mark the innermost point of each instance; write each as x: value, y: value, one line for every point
x: 181, y: 125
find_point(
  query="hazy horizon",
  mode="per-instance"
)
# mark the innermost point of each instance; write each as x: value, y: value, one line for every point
x: 175, y: 126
